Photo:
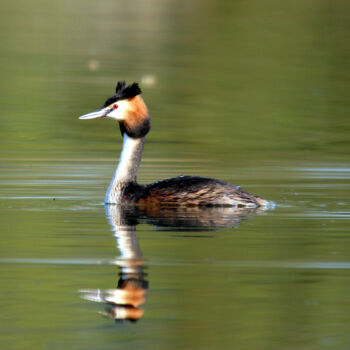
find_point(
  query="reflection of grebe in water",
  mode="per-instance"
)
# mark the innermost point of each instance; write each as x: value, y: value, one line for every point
x: 125, y: 301
x: 129, y: 109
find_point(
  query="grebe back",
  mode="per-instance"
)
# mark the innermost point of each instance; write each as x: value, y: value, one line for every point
x: 128, y: 108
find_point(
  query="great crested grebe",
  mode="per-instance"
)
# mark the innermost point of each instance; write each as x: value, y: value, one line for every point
x: 129, y: 109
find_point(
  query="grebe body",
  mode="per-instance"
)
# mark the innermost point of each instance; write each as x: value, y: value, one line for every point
x: 185, y: 190
x: 129, y: 109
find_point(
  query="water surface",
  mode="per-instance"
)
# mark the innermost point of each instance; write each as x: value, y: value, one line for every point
x: 249, y: 93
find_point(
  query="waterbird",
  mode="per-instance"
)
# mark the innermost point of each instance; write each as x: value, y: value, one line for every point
x: 128, y: 108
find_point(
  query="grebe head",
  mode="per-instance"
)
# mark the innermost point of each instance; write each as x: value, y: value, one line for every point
x: 128, y: 108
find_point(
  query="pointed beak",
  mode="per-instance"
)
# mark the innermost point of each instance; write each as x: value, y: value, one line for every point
x: 96, y: 114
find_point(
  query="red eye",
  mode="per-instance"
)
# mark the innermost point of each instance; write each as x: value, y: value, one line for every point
x: 115, y: 106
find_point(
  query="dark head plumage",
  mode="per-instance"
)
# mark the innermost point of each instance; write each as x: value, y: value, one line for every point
x: 123, y: 92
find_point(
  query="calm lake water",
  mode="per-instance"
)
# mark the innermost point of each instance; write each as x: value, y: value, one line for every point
x: 255, y: 93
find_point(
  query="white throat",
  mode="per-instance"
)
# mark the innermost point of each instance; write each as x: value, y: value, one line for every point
x: 127, y: 168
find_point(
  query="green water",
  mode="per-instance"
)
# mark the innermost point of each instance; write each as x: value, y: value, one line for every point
x: 251, y: 92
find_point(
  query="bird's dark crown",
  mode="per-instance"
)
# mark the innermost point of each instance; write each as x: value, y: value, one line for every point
x: 123, y: 92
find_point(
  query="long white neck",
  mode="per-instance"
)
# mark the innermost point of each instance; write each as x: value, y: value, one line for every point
x: 127, y: 168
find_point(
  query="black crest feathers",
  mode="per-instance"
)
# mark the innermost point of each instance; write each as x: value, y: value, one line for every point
x: 123, y: 92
